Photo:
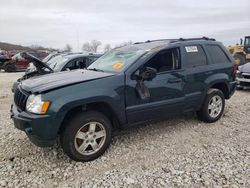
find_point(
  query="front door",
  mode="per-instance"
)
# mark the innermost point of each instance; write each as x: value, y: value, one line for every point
x: 164, y: 94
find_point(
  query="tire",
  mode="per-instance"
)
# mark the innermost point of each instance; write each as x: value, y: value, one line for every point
x: 9, y: 68
x: 79, y: 136
x: 239, y: 59
x: 212, y: 109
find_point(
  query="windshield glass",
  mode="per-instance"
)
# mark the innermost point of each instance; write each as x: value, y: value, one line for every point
x: 56, y: 63
x: 247, y: 41
x: 17, y: 56
x: 117, y: 60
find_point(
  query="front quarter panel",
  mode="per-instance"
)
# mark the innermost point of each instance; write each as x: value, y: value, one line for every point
x: 109, y: 90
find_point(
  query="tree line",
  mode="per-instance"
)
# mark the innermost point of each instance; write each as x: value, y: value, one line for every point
x: 93, y: 45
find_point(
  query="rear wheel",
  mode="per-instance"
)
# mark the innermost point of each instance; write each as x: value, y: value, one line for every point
x: 239, y: 59
x: 86, y: 136
x: 213, y: 106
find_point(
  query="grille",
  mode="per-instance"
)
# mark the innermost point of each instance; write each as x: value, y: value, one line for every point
x: 247, y: 76
x: 20, y: 99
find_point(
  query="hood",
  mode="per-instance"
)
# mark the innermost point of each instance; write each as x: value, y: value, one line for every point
x: 41, y: 67
x: 47, y: 82
x: 245, y: 68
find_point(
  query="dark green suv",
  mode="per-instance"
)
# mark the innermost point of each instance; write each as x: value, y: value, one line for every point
x: 127, y: 86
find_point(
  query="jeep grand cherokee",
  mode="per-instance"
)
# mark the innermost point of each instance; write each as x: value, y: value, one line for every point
x: 128, y: 85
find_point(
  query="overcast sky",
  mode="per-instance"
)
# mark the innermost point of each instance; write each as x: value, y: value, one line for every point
x: 54, y: 23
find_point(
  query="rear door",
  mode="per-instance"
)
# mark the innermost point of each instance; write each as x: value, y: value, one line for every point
x: 195, y: 63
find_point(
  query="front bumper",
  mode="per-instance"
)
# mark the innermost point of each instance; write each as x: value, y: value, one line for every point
x: 243, y: 82
x: 39, y: 128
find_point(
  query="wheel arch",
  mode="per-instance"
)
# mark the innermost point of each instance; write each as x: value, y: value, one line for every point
x: 102, y: 107
x: 222, y: 86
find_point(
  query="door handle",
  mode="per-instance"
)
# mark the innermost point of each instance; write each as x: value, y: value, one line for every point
x: 174, y: 80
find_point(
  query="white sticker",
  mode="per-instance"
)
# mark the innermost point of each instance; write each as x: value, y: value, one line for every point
x: 191, y: 49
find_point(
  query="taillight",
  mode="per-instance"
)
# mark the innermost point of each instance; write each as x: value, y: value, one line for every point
x: 235, y: 68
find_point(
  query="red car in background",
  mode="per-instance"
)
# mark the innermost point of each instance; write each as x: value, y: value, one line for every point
x: 17, y: 63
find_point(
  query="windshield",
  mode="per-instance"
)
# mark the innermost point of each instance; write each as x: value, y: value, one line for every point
x: 117, y: 60
x: 17, y: 56
x: 56, y: 63
x: 247, y: 41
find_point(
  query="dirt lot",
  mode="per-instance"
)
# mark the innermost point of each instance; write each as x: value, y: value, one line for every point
x: 180, y: 152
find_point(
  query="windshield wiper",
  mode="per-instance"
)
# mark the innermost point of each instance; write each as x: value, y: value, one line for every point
x: 95, y: 69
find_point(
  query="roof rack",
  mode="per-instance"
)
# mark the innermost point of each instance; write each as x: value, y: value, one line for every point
x: 177, y: 40
x: 154, y: 41
x: 202, y: 38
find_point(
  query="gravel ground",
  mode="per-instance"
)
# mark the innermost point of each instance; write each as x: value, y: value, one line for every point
x: 179, y: 152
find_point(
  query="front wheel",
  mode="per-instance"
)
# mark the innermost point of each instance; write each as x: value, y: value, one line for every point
x: 86, y: 136
x: 213, y: 106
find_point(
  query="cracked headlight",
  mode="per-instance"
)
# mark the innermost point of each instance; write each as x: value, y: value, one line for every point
x: 35, y: 105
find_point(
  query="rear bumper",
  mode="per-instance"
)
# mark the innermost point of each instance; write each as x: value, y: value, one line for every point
x: 232, y: 87
x: 38, y: 128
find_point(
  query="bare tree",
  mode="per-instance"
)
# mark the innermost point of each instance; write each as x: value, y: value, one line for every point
x: 91, y: 46
x: 68, y: 48
x: 95, y: 44
x: 107, y: 48
x: 86, y: 47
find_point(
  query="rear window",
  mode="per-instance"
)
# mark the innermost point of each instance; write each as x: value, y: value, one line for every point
x: 217, y: 55
x: 195, y: 56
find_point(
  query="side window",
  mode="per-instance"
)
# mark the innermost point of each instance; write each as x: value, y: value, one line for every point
x: 70, y: 65
x: 195, y: 56
x: 80, y: 63
x: 165, y: 60
x: 90, y: 60
x: 217, y: 54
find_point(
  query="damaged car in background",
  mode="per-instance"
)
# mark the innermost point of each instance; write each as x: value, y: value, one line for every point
x: 19, y: 63
x: 243, y: 76
x: 58, y: 63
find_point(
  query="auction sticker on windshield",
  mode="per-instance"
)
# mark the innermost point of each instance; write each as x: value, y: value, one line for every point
x: 191, y: 49
x: 118, y: 66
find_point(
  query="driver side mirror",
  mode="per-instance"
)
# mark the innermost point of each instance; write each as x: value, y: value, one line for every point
x: 147, y: 73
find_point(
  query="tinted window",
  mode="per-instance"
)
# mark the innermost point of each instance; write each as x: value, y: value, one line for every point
x: 165, y: 60
x: 216, y: 53
x: 195, y: 56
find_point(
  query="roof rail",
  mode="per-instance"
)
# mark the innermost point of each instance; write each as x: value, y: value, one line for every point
x: 154, y: 41
x: 177, y: 40
x: 202, y: 38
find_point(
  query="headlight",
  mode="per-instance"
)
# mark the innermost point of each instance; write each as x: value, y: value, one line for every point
x: 238, y: 73
x: 35, y: 105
